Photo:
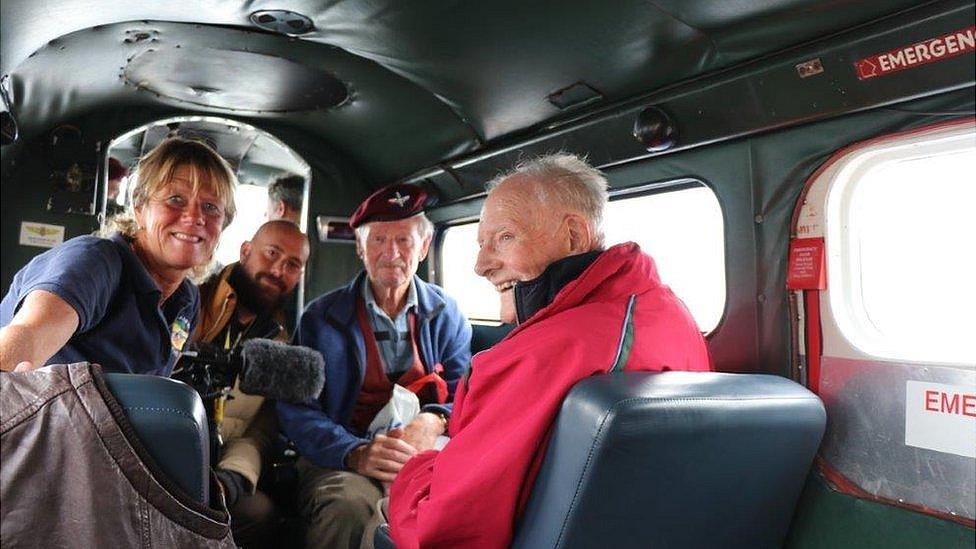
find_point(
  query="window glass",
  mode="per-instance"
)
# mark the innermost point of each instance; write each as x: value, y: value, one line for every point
x: 252, y: 205
x: 906, y: 260
x: 459, y: 252
x: 681, y: 229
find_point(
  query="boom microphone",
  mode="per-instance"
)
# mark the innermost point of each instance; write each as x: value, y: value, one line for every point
x: 290, y: 373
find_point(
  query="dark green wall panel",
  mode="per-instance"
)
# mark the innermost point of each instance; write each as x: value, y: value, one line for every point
x: 826, y: 519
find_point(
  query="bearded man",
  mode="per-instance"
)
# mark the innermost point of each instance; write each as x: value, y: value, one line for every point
x: 246, y: 301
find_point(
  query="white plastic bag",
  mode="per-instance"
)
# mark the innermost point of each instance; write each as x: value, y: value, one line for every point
x: 398, y: 412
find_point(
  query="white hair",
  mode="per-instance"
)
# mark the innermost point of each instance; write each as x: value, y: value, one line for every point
x: 568, y: 180
x: 425, y: 226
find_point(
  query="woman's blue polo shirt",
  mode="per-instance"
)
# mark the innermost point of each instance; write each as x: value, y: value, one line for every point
x: 120, y: 322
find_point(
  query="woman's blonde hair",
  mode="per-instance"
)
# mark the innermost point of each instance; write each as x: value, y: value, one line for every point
x: 156, y: 169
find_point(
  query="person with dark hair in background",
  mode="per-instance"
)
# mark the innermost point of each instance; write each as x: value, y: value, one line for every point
x: 285, y: 197
x: 581, y: 309
x: 386, y: 328
x: 126, y: 302
x: 244, y: 301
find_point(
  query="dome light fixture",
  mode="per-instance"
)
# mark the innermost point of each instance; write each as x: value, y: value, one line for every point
x: 654, y: 129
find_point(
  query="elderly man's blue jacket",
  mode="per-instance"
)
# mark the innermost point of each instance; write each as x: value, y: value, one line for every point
x: 321, y: 429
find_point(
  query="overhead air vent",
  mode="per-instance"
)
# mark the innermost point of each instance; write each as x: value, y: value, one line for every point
x: 234, y: 80
x: 577, y: 95
x: 282, y: 22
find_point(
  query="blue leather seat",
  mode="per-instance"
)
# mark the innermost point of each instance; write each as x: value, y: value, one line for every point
x: 169, y: 420
x: 674, y: 459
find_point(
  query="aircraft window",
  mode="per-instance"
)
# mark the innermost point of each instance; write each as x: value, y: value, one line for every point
x: 458, y: 254
x: 682, y: 229
x: 904, y: 265
x: 684, y: 232
x: 252, y: 205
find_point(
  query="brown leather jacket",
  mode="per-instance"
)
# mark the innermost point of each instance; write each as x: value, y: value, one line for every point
x: 71, y: 477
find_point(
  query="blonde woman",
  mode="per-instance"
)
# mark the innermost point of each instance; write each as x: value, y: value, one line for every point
x: 125, y: 301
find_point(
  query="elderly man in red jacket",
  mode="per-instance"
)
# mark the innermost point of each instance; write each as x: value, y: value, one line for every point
x: 580, y: 310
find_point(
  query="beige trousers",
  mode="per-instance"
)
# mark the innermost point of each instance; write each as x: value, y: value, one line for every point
x: 379, y: 518
x: 336, y: 505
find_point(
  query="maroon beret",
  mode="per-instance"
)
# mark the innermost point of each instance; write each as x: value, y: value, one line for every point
x: 116, y: 170
x: 398, y: 201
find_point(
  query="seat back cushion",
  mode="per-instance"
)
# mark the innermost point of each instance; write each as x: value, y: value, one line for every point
x: 169, y: 420
x: 674, y: 459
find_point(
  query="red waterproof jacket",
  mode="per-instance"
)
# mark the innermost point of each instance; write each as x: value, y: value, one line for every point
x: 472, y: 492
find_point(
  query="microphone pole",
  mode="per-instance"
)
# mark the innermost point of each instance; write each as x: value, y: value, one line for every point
x: 221, y: 398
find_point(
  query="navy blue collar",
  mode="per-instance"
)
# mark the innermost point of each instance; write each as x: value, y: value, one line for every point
x: 142, y: 282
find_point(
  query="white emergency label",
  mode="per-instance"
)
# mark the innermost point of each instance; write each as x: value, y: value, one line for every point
x: 941, y: 417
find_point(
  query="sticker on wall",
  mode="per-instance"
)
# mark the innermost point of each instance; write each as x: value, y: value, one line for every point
x: 941, y: 417
x: 807, y: 269
x: 41, y: 235
x: 918, y: 54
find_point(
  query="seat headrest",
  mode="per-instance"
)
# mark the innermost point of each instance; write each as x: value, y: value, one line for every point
x: 674, y: 459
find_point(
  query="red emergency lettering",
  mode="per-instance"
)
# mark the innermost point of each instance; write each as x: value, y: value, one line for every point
x: 949, y: 406
x: 920, y: 53
x: 969, y: 405
x: 950, y: 403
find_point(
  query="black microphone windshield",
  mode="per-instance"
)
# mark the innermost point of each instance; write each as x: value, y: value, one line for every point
x: 284, y: 372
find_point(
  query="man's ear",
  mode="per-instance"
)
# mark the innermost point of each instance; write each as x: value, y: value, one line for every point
x: 580, y: 234
x: 245, y: 250
x: 425, y: 247
x: 276, y: 208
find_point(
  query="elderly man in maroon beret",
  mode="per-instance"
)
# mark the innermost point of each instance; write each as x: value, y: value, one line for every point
x: 387, y: 327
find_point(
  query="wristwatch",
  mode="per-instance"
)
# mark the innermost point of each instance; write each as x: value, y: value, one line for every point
x: 443, y: 417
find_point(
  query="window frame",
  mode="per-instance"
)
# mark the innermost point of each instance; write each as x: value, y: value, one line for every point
x: 849, y: 313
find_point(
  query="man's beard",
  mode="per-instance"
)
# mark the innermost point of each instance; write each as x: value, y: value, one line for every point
x: 252, y: 295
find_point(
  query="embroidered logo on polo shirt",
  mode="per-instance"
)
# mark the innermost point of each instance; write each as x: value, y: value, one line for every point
x: 179, y: 332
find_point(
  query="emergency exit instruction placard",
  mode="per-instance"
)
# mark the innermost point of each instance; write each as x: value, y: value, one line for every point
x: 941, y: 417
x: 807, y: 269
